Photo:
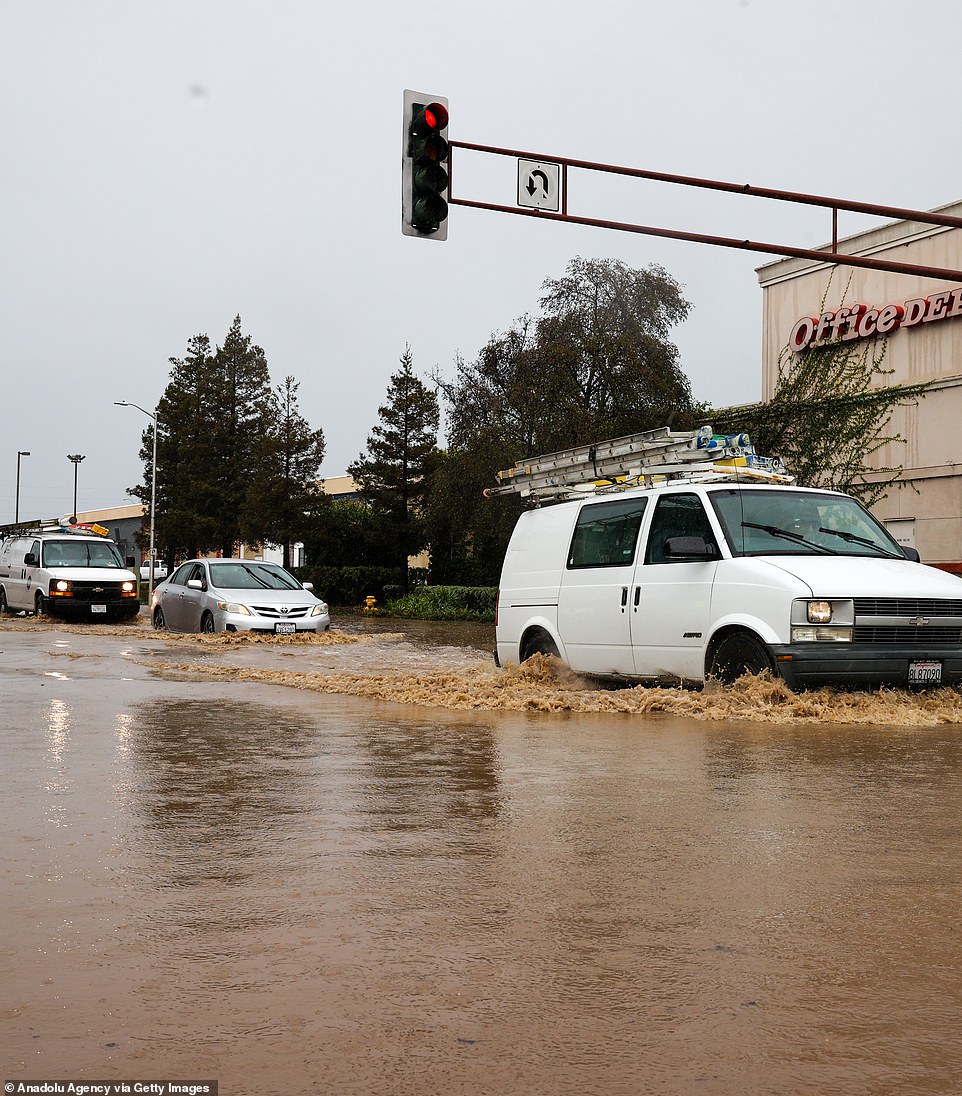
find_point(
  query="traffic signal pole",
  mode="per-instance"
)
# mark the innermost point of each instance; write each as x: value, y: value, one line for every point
x: 835, y: 204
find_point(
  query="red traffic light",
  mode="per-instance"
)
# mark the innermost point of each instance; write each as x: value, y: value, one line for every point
x: 436, y: 116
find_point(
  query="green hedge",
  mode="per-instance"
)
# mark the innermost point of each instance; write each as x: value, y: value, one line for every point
x: 446, y: 603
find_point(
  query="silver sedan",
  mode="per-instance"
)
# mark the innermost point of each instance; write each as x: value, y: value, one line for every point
x: 237, y: 595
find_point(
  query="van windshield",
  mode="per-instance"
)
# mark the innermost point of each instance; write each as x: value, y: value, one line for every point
x: 786, y: 522
x: 81, y: 553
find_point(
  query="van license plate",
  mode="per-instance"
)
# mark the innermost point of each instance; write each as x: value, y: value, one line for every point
x: 925, y: 673
x: 285, y: 629
x: 98, y: 608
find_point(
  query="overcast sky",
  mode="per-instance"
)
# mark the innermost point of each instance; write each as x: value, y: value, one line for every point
x: 169, y: 165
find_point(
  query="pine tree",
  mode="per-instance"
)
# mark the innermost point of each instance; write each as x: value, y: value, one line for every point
x: 214, y: 421
x: 240, y: 402
x: 183, y: 440
x: 283, y: 493
x: 392, y: 473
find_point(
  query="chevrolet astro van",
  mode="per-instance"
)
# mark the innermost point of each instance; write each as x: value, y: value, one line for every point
x: 67, y: 574
x: 691, y: 580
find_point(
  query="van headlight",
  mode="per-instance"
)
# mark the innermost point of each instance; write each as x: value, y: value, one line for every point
x: 823, y: 620
x: 819, y: 612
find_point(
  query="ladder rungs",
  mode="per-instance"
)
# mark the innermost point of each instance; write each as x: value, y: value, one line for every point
x: 637, y: 459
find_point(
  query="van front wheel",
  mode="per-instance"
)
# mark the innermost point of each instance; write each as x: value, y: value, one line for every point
x: 40, y: 605
x: 739, y: 654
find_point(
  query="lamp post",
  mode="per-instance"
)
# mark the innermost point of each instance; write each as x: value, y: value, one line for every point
x: 16, y: 512
x: 153, y: 489
x: 76, y: 458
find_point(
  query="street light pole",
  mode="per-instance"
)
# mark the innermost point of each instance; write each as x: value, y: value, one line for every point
x: 153, y: 490
x: 16, y: 512
x: 76, y: 458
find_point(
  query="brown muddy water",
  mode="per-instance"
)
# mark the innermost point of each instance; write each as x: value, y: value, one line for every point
x: 374, y: 864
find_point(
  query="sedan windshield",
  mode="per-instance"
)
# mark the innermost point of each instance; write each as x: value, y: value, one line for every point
x: 239, y: 575
x: 81, y: 553
x: 782, y: 521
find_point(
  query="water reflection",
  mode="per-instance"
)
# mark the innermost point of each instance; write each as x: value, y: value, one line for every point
x: 213, y: 786
x: 422, y: 777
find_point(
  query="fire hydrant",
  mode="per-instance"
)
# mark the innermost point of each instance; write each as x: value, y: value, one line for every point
x: 370, y: 603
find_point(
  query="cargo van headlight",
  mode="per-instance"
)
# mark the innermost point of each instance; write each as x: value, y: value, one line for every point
x: 129, y: 589
x: 823, y: 621
x: 820, y: 612
x: 61, y: 588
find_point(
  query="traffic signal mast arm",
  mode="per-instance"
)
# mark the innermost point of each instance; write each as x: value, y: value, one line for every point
x: 835, y: 204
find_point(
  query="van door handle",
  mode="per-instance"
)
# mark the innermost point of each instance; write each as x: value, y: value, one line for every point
x: 624, y: 597
x: 637, y: 597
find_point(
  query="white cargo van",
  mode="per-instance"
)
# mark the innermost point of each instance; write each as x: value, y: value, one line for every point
x: 66, y: 574
x: 695, y: 579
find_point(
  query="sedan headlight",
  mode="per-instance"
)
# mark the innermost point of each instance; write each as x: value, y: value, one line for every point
x: 319, y: 609
x: 233, y: 607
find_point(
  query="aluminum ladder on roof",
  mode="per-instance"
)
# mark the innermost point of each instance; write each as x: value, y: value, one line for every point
x: 643, y: 459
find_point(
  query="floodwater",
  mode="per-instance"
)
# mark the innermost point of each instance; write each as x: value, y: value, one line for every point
x: 374, y: 864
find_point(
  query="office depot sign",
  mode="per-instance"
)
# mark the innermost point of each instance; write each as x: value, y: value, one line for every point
x: 861, y: 322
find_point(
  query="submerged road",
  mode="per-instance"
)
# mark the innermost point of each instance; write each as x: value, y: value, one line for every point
x: 292, y: 891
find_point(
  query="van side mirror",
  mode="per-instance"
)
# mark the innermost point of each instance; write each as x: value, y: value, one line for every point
x: 690, y: 548
x: 910, y: 553
x: 30, y: 560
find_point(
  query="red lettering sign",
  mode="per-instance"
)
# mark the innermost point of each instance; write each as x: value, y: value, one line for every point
x: 860, y: 322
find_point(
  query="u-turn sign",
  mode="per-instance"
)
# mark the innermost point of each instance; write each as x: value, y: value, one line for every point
x: 539, y: 185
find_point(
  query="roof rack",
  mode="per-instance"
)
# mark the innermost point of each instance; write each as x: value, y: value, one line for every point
x: 647, y: 459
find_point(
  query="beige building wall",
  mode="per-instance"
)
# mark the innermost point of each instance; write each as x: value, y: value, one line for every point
x: 925, y: 509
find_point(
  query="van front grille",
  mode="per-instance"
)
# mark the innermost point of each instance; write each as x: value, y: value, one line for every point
x: 909, y: 606
x: 907, y: 635
x: 96, y: 592
x: 908, y: 621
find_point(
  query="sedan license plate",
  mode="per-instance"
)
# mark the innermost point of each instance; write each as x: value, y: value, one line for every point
x: 925, y: 673
x: 98, y: 608
x: 285, y: 629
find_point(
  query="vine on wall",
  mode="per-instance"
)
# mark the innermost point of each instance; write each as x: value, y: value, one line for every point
x: 829, y: 416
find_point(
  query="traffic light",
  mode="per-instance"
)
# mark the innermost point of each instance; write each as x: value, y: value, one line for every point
x: 424, y: 177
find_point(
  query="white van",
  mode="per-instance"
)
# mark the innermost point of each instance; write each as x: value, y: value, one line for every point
x: 67, y: 574
x: 693, y: 580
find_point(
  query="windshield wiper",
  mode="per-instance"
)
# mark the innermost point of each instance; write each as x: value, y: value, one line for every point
x: 787, y: 534
x: 258, y: 579
x: 854, y: 538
